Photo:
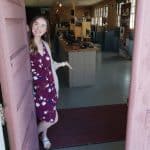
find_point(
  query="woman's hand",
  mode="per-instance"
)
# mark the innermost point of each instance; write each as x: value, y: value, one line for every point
x: 67, y: 64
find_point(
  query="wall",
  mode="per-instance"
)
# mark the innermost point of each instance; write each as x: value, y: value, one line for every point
x: 80, y: 11
x: 32, y: 12
x: 65, y: 12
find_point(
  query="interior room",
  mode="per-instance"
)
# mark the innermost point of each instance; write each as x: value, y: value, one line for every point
x: 96, y: 37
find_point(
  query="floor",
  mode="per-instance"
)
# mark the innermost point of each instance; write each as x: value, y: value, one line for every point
x: 105, y: 146
x: 111, y: 87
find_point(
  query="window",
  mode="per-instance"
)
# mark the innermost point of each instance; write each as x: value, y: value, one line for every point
x: 99, y: 13
x: 100, y: 16
x: 105, y: 12
x: 132, y: 13
x: 93, y: 21
x: 119, y: 13
x: 97, y: 16
x: 96, y: 20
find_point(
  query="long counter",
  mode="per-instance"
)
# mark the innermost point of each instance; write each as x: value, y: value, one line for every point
x: 83, y: 62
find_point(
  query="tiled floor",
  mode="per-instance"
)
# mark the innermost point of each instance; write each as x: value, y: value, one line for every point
x: 111, y: 87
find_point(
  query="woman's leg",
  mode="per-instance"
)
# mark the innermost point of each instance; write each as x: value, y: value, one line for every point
x: 43, y: 127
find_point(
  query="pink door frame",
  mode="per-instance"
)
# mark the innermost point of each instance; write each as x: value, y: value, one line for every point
x: 138, y: 124
x: 15, y: 77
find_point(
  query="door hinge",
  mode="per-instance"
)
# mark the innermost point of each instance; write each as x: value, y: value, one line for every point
x: 2, y: 118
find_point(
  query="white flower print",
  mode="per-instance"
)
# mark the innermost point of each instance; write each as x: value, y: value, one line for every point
x: 40, y: 60
x: 35, y: 78
x: 49, y: 90
x: 47, y: 85
x: 37, y: 105
x: 33, y: 70
x: 40, y: 66
x: 53, y: 100
x: 51, y: 120
x: 43, y: 103
x: 45, y: 112
x: 41, y: 97
x: 47, y: 58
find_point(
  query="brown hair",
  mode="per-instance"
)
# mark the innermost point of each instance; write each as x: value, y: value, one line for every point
x: 45, y: 37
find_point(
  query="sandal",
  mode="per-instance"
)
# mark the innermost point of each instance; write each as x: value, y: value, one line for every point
x: 46, y: 143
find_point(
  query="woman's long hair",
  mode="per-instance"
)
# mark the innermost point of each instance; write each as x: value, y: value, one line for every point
x: 45, y: 37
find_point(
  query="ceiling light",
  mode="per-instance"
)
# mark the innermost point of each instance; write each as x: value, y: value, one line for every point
x: 60, y: 4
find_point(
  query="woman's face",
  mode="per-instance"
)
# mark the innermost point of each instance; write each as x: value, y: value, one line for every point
x: 39, y: 27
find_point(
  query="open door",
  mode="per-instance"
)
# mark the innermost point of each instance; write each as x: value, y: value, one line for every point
x: 15, y: 77
x: 138, y: 127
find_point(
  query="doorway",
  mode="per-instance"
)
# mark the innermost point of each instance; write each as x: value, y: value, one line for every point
x: 110, y: 89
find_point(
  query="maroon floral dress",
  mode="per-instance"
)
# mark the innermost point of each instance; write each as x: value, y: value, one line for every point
x: 44, y: 91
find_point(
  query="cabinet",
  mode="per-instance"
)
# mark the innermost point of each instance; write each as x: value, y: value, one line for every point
x: 111, y: 41
x: 83, y: 62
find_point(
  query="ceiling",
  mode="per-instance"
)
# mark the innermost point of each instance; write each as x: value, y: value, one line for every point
x: 65, y: 2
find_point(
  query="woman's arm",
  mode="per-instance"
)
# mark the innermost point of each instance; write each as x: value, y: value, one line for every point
x: 61, y: 64
x: 57, y: 64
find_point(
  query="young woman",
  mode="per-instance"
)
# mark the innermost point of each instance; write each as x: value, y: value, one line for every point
x: 45, y: 82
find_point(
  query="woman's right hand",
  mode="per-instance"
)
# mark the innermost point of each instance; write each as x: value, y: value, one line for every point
x: 67, y: 64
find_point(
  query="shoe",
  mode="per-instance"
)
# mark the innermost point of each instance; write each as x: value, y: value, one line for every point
x: 46, y: 143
